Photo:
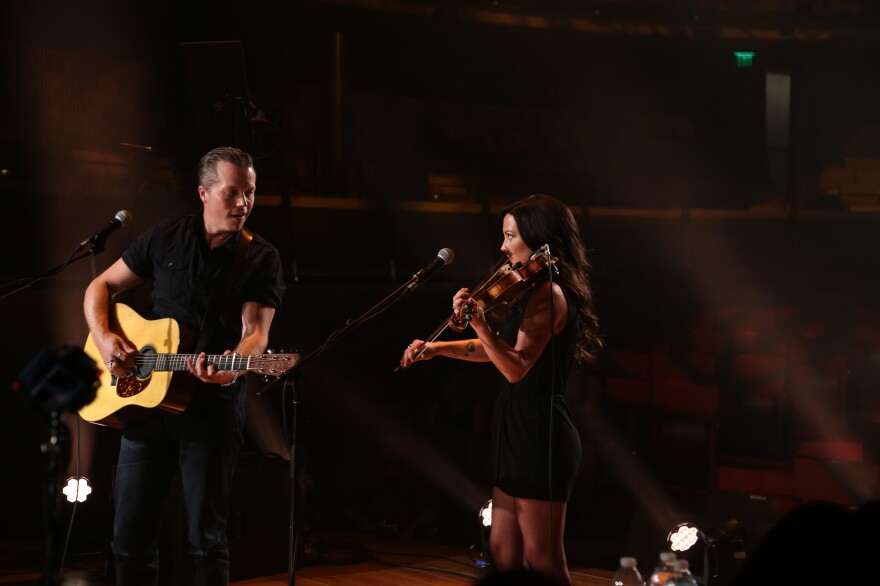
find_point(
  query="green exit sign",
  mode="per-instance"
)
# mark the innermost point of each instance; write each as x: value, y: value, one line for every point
x: 744, y: 58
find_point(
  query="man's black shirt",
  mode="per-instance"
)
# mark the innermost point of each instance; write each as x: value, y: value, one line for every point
x: 185, y: 271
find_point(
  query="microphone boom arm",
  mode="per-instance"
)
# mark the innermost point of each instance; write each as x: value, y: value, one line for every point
x: 445, y: 324
x: 97, y: 240
x: 389, y: 300
x: 27, y: 282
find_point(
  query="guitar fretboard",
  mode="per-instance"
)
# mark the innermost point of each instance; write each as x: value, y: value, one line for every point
x: 177, y: 362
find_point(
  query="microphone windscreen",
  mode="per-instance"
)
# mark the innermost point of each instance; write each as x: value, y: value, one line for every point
x: 446, y: 255
x: 124, y: 217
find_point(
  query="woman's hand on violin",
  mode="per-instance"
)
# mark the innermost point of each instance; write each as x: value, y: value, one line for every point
x: 466, y: 309
x: 415, y: 351
x: 459, y: 301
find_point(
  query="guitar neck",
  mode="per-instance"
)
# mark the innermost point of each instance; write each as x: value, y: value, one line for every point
x: 177, y: 362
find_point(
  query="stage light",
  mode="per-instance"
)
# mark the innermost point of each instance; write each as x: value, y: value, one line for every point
x: 486, y: 514
x: 715, y: 555
x: 481, y: 556
x: 682, y: 537
x: 77, y: 489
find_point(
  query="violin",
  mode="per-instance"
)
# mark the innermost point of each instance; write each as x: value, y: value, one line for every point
x: 504, y: 285
x: 507, y: 283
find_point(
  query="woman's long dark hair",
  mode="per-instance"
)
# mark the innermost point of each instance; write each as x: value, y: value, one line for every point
x: 542, y: 219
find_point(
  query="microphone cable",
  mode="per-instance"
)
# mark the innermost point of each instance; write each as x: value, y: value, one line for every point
x: 25, y: 282
x: 550, y: 423
x: 75, y: 502
x: 78, y: 459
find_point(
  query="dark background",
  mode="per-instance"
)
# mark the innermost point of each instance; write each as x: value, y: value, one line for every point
x: 388, y: 130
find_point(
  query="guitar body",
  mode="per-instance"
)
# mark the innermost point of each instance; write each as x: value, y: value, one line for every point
x: 120, y: 401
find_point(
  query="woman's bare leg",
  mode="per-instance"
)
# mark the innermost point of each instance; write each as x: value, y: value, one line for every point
x: 542, y: 526
x: 505, y: 539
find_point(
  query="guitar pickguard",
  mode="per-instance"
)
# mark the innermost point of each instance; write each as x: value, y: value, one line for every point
x: 131, y: 386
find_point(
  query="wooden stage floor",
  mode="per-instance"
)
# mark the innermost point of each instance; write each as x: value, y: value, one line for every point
x: 378, y: 561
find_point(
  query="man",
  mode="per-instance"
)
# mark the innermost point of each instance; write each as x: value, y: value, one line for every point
x: 185, y: 259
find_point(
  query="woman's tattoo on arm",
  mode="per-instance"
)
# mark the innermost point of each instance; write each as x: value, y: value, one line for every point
x: 470, y: 347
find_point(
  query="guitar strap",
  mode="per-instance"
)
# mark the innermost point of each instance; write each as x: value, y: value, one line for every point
x: 221, y: 290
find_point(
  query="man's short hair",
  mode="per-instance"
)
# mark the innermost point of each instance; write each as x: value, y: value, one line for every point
x: 208, y: 165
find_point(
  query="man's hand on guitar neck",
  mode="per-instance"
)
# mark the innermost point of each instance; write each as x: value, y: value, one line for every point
x: 208, y: 372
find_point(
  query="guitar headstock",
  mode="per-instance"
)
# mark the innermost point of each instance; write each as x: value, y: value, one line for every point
x: 272, y: 364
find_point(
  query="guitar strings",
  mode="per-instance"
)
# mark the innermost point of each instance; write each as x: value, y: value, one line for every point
x: 220, y: 361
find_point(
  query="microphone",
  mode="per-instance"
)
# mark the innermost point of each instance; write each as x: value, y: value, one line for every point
x: 444, y: 257
x: 120, y: 220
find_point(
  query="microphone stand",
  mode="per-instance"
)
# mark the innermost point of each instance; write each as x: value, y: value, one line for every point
x: 285, y: 380
x: 57, y: 449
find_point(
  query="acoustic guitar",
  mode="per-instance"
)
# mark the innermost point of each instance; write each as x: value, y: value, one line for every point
x: 161, y: 379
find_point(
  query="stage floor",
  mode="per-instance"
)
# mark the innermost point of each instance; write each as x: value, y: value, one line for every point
x: 344, y: 559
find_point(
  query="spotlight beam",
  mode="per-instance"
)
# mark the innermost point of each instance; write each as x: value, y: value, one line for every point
x: 646, y: 491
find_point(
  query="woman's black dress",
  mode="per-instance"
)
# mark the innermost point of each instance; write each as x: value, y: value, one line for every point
x: 521, y: 419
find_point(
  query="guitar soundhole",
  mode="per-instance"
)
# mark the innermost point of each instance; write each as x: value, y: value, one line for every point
x: 143, y: 370
x: 146, y: 362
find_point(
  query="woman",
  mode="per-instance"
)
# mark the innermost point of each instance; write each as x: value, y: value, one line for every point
x: 531, y: 490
